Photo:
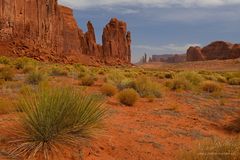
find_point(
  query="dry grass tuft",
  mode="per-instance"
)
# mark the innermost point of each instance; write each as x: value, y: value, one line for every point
x: 128, y: 97
x: 109, y: 90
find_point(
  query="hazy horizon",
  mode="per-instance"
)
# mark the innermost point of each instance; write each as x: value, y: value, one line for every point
x: 163, y: 27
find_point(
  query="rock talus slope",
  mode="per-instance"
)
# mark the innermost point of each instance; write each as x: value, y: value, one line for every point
x: 44, y: 30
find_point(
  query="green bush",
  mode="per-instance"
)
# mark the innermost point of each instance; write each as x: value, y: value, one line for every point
x: 211, y: 87
x: 128, y: 97
x: 109, y: 90
x: 6, y: 73
x: 35, y: 77
x: 54, y: 120
x: 234, y: 81
x: 147, y: 88
x: 213, y: 149
x: 4, y: 60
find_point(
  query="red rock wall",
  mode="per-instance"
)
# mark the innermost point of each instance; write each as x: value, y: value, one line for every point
x: 46, y: 31
x: 216, y: 50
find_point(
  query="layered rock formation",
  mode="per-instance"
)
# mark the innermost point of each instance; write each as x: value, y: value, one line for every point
x: 216, y: 50
x: 44, y: 30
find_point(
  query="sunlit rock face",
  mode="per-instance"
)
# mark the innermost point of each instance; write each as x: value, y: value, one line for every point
x: 44, y: 30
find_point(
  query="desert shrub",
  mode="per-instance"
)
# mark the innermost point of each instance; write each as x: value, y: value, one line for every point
x: 20, y: 63
x: 35, y: 77
x: 147, y: 88
x: 115, y: 78
x: 169, y: 75
x: 221, y: 79
x: 28, y: 68
x: 126, y: 83
x: 57, y: 71
x: 54, y: 120
x: 109, y: 90
x: 234, y: 81
x: 128, y: 97
x: 211, y: 86
x: 101, y: 72
x: 193, y: 77
x: 88, y: 80
x: 214, y: 149
x: 159, y: 75
x: 178, y: 84
x: 82, y: 74
x: 80, y: 68
x: 4, y: 60
x: 6, y: 73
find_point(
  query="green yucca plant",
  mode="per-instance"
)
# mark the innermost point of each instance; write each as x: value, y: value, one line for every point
x: 56, y: 119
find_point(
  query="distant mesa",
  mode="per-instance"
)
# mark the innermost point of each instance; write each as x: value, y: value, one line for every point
x: 218, y: 50
x: 169, y: 58
x: 47, y: 31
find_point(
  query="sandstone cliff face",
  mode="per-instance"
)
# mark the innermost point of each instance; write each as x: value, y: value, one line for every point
x: 195, y: 54
x: 44, y: 30
x: 216, y: 50
x: 116, y: 40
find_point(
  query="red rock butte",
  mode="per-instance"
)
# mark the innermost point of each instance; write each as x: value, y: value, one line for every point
x: 46, y: 31
x: 216, y: 50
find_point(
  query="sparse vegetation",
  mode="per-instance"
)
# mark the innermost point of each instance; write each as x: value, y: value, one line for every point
x: 35, y: 77
x: 178, y: 84
x: 214, y: 149
x: 57, y: 71
x: 193, y: 77
x: 54, y: 119
x: 28, y: 68
x: 109, y: 90
x: 88, y: 80
x: 128, y: 97
x: 4, y: 60
x: 146, y: 88
x: 211, y: 87
x: 234, y: 81
x: 20, y: 63
x: 6, y: 73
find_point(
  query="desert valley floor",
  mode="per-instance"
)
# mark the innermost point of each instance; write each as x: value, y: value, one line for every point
x: 154, y: 128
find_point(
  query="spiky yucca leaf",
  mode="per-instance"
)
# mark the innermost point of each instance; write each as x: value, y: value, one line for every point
x: 58, y: 118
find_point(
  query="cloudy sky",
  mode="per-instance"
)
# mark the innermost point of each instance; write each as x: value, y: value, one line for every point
x: 164, y: 26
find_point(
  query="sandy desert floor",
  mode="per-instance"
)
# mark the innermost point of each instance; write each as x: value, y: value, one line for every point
x: 149, y: 130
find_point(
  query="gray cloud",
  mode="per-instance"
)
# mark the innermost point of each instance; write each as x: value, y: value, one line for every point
x: 83, y: 4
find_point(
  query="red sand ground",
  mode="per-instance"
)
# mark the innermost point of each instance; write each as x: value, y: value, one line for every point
x: 156, y: 130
